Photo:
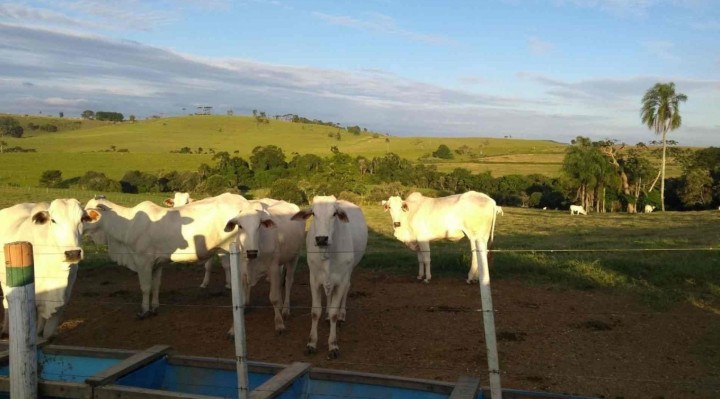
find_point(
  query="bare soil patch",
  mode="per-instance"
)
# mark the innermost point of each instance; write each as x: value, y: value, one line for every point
x: 580, y: 342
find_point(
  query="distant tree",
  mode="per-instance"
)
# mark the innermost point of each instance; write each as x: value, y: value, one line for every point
x: 135, y: 181
x: 443, y: 152
x: 268, y: 157
x: 88, y: 114
x: 131, y: 118
x: 109, y: 116
x: 49, y: 128
x: 97, y: 181
x: 287, y: 190
x: 61, y: 114
x: 697, y: 188
x: 354, y: 130
x: 51, y: 178
x: 661, y: 112
x: 10, y: 127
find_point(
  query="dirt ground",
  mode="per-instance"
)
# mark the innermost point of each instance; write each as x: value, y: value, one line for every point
x: 578, y: 342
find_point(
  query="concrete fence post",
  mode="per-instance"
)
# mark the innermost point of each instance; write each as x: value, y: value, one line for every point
x: 20, y: 277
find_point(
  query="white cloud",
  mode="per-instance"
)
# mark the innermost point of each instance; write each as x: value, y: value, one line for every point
x: 661, y: 49
x: 380, y: 23
x: 539, y: 47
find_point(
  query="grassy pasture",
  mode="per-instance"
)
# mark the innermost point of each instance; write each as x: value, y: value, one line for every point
x: 149, y: 144
x: 616, y: 252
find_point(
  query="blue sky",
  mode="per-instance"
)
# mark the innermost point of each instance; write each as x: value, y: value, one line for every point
x: 550, y: 69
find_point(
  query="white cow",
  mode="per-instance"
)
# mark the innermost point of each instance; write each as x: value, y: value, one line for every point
x: 419, y: 220
x: 577, y: 209
x: 179, y: 200
x: 269, y: 240
x: 499, y: 210
x: 55, y: 230
x: 145, y: 237
x: 649, y: 208
x: 336, y: 243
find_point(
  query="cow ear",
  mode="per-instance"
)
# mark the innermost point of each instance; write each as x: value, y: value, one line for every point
x: 341, y: 215
x: 267, y: 223
x: 91, y: 216
x: 169, y: 202
x: 385, y: 205
x: 230, y: 226
x: 303, y: 214
x: 405, y: 207
x: 41, y: 217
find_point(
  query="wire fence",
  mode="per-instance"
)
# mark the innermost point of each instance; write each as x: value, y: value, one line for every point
x: 707, y: 383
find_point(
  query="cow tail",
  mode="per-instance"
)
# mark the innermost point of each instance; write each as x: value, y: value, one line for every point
x: 491, y: 244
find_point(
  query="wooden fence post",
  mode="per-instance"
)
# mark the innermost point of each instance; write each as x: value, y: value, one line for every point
x: 489, y: 323
x: 20, y: 277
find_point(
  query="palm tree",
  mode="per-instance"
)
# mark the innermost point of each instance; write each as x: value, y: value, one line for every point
x: 660, y: 112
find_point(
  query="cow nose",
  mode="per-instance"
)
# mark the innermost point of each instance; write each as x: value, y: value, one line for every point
x: 252, y: 253
x: 74, y: 255
x: 321, y: 241
x: 396, y: 224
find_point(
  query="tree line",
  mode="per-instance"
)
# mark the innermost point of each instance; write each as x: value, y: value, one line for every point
x: 591, y: 176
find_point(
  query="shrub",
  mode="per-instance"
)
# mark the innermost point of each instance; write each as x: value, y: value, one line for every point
x: 385, y: 191
x: 136, y: 181
x: 49, y: 128
x: 51, y: 178
x: 215, y: 185
x: 97, y: 181
x: 350, y: 196
x: 287, y: 190
x: 443, y: 152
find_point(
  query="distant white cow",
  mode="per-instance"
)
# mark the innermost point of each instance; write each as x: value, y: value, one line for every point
x: 419, y: 220
x: 55, y: 230
x: 179, y: 200
x: 577, y: 209
x: 147, y: 236
x: 544, y: 208
x: 649, y: 208
x: 336, y: 243
x: 269, y: 239
x: 499, y: 210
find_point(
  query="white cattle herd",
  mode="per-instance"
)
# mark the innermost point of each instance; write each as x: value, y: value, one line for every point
x: 269, y: 233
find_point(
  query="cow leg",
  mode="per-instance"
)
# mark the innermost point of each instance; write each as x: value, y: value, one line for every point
x: 316, y: 311
x: 473, y: 274
x: 276, y: 296
x: 51, y: 324
x: 39, y: 325
x: 421, y: 266
x: 289, y: 279
x: 206, y: 278
x: 6, y: 323
x: 342, y: 313
x: 424, y: 251
x: 225, y: 262
x: 145, y: 275
x: 333, y: 305
x: 156, y: 280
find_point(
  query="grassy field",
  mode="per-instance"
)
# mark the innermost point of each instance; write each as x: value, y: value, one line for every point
x: 661, y: 257
x: 75, y: 150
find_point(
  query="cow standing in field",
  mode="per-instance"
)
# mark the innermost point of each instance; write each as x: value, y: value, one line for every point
x: 499, y: 210
x: 336, y: 243
x: 147, y: 236
x: 269, y: 239
x: 649, y: 208
x: 179, y: 200
x: 418, y: 220
x: 55, y: 231
x: 577, y: 210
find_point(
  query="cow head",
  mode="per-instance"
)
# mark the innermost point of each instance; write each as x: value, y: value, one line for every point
x: 94, y: 212
x: 179, y: 200
x: 397, y: 208
x: 326, y: 211
x: 63, y: 221
x: 249, y: 222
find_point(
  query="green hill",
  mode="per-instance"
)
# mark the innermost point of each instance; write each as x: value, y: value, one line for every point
x: 87, y: 146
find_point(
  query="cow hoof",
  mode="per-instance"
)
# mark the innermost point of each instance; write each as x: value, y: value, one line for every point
x: 333, y: 354
x: 203, y: 286
x: 154, y: 312
x: 230, y: 337
x: 280, y: 331
x: 310, y: 350
x: 421, y: 277
x: 228, y: 287
x: 143, y: 315
x: 426, y: 281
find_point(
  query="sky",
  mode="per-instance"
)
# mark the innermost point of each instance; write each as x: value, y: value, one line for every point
x: 536, y: 69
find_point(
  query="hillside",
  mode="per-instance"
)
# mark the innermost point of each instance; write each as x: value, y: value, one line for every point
x: 149, y: 144
x: 62, y: 124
